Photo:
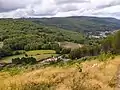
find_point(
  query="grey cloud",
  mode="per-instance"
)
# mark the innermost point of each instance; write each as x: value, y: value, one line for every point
x: 4, y: 9
x: 40, y: 8
x: 10, y: 5
x: 67, y: 8
x: 41, y: 13
x: 116, y: 13
x: 110, y: 4
x: 70, y: 1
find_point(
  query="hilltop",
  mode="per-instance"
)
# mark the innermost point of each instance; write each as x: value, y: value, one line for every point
x: 80, y: 23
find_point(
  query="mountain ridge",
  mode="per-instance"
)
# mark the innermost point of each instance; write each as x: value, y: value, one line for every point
x: 80, y: 23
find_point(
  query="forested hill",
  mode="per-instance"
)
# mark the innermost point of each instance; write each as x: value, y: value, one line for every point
x: 23, y: 34
x: 81, y: 23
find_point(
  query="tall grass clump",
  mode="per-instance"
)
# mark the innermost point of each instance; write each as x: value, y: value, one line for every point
x: 105, y: 56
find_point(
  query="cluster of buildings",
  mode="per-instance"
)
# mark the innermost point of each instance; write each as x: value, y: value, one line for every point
x: 99, y: 34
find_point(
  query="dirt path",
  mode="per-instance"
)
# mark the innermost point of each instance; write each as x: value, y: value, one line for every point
x: 118, y: 79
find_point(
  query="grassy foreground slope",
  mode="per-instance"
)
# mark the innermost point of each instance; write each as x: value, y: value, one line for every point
x: 95, y: 75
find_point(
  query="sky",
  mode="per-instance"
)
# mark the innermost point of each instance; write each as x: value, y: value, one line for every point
x: 59, y: 8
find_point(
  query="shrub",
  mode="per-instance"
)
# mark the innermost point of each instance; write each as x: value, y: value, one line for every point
x: 16, y: 53
x: 65, y: 51
x: 24, y: 60
x: 26, y: 55
x: 16, y: 61
x: 105, y: 56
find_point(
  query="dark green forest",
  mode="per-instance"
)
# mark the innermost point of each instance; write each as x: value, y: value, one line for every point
x: 20, y: 34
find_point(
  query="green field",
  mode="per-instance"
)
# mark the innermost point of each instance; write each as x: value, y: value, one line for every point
x: 38, y: 54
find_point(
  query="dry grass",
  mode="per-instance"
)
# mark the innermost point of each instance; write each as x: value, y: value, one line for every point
x: 95, y: 76
x: 70, y: 45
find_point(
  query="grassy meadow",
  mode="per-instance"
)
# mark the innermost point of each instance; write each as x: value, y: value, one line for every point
x: 38, y: 54
x: 95, y: 75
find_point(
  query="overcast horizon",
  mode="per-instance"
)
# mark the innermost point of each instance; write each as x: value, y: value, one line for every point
x: 59, y: 8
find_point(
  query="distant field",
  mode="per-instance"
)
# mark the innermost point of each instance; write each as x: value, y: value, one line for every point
x: 70, y: 45
x: 38, y: 54
x: 8, y: 59
x: 1, y: 44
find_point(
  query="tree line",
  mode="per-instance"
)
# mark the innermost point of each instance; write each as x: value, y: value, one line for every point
x: 111, y: 44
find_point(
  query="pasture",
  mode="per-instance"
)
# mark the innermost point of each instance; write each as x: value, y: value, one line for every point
x: 38, y: 54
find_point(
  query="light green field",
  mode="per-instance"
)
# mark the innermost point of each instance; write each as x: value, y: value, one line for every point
x: 8, y: 59
x: 38, y: 54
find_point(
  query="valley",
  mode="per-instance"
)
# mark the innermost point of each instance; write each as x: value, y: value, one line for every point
x: 72, y: 53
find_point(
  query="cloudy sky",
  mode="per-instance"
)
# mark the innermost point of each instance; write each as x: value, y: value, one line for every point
x: 59, y: 8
